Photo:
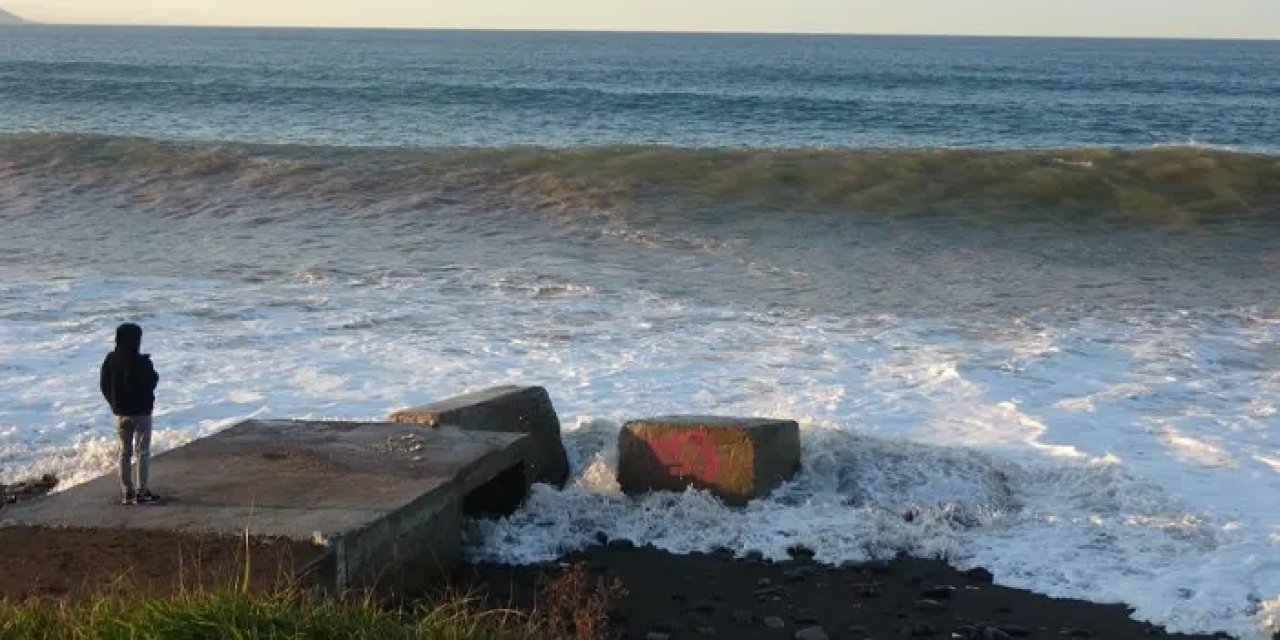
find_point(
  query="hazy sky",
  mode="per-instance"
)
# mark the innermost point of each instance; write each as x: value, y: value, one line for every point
x: 1204, y: 18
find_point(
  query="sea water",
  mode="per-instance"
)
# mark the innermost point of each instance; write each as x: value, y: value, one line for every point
x: 1023, y: 295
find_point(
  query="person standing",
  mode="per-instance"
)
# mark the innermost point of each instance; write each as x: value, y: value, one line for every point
x: 128, y: 381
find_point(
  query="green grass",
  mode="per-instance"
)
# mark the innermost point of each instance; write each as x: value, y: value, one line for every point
x: 235, y: 614
x: 571, y: 606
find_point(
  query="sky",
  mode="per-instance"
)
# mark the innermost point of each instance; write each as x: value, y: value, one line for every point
x: 1146, y: 18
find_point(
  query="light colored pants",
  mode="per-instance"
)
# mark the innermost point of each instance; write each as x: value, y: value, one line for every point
x: 135, y: 437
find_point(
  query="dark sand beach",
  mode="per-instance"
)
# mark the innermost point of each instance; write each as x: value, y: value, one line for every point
x: 715, y: 595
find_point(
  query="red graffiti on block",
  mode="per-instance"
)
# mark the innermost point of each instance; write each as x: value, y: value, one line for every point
x: 688, y: 453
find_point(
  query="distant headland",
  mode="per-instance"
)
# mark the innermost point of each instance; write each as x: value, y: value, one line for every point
x: 8, y: 18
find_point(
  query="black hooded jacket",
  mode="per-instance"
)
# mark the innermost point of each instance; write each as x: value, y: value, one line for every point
x: 128, y: 379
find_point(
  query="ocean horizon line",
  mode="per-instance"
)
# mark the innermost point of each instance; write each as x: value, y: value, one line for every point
x: 27, y: 22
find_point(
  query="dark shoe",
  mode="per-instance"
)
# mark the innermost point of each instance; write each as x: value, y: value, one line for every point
x: 146, y: 497
x: 129, y: 499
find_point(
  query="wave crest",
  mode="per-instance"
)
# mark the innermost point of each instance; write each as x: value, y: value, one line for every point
x: 1163, y: 185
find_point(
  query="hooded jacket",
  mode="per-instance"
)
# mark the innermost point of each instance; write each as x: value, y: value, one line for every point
x: 128, y: 379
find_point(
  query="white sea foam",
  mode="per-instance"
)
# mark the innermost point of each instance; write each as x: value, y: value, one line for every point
x: 1077, y: 456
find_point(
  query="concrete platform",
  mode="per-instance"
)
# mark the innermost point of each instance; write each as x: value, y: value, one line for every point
x: 379, y: 504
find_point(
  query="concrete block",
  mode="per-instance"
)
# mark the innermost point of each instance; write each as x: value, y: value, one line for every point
x: 737, y: 459
x: 508, y: 409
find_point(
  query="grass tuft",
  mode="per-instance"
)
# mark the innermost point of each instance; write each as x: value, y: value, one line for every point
x: 569, y: 606
x: 235, y: 614
x: 233, y: 602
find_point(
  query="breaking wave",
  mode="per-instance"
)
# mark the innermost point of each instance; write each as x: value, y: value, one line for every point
x: 1161, y: 185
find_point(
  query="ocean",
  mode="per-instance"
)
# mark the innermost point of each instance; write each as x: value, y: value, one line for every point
x: 1026, y: 291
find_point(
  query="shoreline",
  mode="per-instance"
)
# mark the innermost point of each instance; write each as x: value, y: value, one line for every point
x: 667, y: 596
x: 716, y: 595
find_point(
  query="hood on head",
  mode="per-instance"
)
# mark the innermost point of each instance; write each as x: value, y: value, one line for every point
x: 129, y: 338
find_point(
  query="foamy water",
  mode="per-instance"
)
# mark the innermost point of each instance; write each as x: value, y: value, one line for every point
x: 1128, y: 461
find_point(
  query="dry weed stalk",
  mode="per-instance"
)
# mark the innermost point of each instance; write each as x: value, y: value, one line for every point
x: 575, y: 606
